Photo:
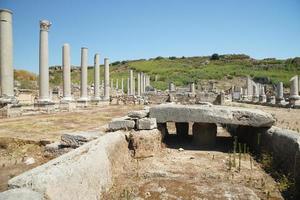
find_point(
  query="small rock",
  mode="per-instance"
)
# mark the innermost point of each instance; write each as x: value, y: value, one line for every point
x: 29, y: 161
x: 138, y: 114
x: 180, y: 149
x: 192, y: 157
x: 147, y: 195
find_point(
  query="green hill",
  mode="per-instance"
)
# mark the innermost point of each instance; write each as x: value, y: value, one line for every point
x: 187, y: 69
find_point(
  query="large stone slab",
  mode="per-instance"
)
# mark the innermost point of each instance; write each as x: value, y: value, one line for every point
x: 138, y: 114
x: 146, y: 124
x: 21, y: 194
x: 121, y: 124
x: 80, y: 174
x: 211, y: 114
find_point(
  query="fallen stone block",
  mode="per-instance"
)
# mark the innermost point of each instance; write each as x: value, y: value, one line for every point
x: 138, y: 114
x: 146, y: 124
x: 145, y: 143
x: 73, y: 141
x: 121, y: 124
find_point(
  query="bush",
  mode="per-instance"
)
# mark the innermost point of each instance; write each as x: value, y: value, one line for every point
x: 215, y: 56
x: 116, y: 63
x: 172, y: 57
x: 159, y: 58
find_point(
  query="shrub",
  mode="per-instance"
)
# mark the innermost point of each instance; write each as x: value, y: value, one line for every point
x: 215, y: 56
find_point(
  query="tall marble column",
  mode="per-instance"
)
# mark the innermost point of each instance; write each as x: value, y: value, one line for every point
x: 84, y: 75
x: 96, y: 77
x: 106, y: 79
x: 249, y: 88
x: 144, y: 83
x: 66, y: 65
x: 6, y: 57
x: 294, y: 93
x: 131, y: 82
x: 43, y: 62
x: 111, y: 84
x: 133, y: 86
x: 139, y: 84
x: 117, y: 84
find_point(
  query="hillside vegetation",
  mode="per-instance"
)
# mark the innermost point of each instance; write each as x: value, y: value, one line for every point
x: 183, y: 70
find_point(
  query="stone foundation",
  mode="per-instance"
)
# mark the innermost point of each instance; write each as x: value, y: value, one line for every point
x: 11, y: 110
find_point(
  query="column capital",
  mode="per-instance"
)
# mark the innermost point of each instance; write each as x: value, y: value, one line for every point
x: 45, y: 25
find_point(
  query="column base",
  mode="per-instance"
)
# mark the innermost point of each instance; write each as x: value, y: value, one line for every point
x: 47, y: 106
x: 8, y: 100
x: 68, y: 106
x: 263, y: 99
x: 11, y: 110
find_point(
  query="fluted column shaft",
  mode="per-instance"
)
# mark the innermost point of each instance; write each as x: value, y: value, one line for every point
x: 106, y: 79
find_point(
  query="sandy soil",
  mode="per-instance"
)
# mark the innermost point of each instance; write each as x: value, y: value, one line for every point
x: 192, y: 174
x: 285, y: 118
x: 20, y: 138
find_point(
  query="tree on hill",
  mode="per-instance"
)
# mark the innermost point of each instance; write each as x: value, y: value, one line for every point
x: 215, y: 56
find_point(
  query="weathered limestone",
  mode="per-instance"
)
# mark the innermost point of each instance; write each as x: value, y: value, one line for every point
x: 294, y: 88
x: 255, y: 96
x: 192, y: 88
x: 106, y: 79
x: 121, y: 124
x: 117, y: 84
x: 122, y: 85
x: 131, y: 82
x: 145, y: 143
x: 142, y: 84
x: 80, y: 174
x: 43, y: 62
x: 84, y: 75
x: 21, y: 193
x: 249, y: 88
x: 66, y: 65
x: 128, y: 86
x: 6, y: 57
x: 172, y: 87
x: 204, y: 134
x: 262, y: 95
x: 146, y: 124
x: 138, y: 114
x: 211, y: 114
x: 96, y: 77
x: 139, y: 84
x: 182, y: 129
x: 279, y: 93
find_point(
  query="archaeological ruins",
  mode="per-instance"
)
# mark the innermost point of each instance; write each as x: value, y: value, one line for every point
x: 159, y: 124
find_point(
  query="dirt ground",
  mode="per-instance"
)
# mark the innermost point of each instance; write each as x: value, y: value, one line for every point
x: 285, y: 118
x: 22, y: 139
x: 194, y: 175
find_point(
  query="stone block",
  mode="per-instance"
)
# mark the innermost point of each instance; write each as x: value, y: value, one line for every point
x: 211, y: 114
x: 145, y: 143
x: 121, y: 124
x: 138, y: 114
x: 146, y: 124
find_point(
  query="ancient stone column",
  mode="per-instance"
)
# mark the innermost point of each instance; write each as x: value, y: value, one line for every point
x: 139, y: 84
x: 131, y: 82
x: 171, y: 87
x: 255, y: 96
x: 279, y: 93
x: 66, y: 65
x: 262, y: 95
x: 84, y: 75
x: 106, y: 79
x: 133, y: 86
x: 96, y: 77
x: 122, y: 85
x: 43, y: 62
x: 128, y: 86
x: 117, y: 84
x: 6, y: 57
x: 249, y: 88
x: 192, y: 88
x: 294, y: 88
x: 142, y: 83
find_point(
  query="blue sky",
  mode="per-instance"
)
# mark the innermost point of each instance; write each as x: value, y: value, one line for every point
x: 132, y: 29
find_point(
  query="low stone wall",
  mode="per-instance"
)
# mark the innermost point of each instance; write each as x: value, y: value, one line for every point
x: 282, y: 144
x: 80, y: 174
